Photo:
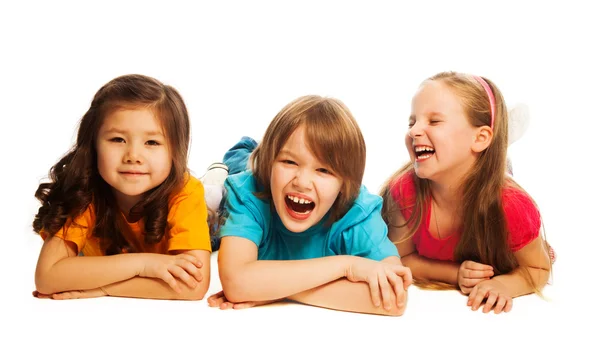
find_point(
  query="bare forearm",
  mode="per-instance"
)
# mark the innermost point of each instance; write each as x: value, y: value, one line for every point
x: 88, y: 272
x: 518, y: 283
x: 268, y: 279
x: 428, y: 269
x: 151, y: 288
x: 347, y: 296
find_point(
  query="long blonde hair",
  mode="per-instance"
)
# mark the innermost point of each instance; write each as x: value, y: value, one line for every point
x: 484, y: 237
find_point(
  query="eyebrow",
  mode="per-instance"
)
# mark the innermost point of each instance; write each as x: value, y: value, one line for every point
x: 148, y: 133
x: 284, y: 152
x: 436, y: 114
x: 430, y: 114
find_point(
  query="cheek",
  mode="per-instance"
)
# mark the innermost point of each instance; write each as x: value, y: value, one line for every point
x: 332, y: 189
x: 104, y: 158
x: 279, y: 176
x: 408, y: 143
x: 163, y: 163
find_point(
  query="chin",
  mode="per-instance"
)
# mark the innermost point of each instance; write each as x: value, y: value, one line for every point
x: 296, y: 227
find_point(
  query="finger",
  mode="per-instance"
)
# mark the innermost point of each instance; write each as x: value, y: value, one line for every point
x: 170, y: 280
x: 491, y: 301
x: 477, y: 266
x: 226, y: 305
x: 374, y: 288
x: 472, y: 295
x: 509, y: 304
x: 40, y: 295
x: 465, y: 291
x: 398, y: 287
x: 471, y: 282
x: 192, y: 259
x: 479, y: 297
x: 182, y: 275
x: 386, y: 290
x: 65, y: 295
x: 191, y: 269
x: 500, y: 304
x: 244, y: 305
x: 216, y: 296
x: 216, y: 301
x: 478, y: 274
x: 407, y: 277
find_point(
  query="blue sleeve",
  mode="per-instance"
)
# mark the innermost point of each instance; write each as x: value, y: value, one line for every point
x: 369, y: 239
x: 243, y: 218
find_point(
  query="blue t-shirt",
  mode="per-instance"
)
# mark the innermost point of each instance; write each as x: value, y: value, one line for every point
x: 360, y: 232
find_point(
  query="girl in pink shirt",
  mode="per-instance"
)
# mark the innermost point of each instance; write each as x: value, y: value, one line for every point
x: 457, y: 218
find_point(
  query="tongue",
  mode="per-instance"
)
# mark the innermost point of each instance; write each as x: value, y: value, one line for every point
x: 300, y: 208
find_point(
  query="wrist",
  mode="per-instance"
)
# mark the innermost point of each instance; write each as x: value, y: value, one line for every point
x: 456, y: 281
x: 346, y: 262
x: 140, y: 262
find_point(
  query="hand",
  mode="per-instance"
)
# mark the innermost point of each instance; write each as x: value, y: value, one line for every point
x: 380, y: 276
x: 471, y: 273
x: 494, y: 292
x: 183, y: 266
x: 73, y: 294
x: 219, y: 300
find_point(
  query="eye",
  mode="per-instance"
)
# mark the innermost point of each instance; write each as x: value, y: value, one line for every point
x: 152, y: 143
x: 434, y: 121
x: 288, y: 162
x: 325, y: 171
x: 117, y: 140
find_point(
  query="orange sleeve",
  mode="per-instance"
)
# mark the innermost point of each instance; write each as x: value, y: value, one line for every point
x: 75, y: 230
x: 187, y: 219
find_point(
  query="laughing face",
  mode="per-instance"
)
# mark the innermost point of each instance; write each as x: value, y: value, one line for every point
x: 302, y: 187
x: 440, y: 138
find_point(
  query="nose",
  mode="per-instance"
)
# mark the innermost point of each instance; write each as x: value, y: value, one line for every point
x: 303, y: 179
x: 416, y: 130
x: 132, y: 154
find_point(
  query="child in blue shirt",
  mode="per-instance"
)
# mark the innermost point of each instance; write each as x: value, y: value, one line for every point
x: 300, y: 225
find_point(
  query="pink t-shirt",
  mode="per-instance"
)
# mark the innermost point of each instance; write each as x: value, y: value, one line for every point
x: 522, y: 218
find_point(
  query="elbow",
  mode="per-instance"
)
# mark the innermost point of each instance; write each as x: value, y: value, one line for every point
x: 44, y: 284
x: 235, y: 289
x: 197, y: 293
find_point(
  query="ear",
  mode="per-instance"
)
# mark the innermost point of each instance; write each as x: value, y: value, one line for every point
x: 482, y: 140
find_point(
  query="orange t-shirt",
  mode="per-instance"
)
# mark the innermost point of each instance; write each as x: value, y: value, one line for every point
x: 187, y: 227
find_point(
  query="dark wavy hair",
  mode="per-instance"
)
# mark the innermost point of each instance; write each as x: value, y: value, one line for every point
x: 75, y: 183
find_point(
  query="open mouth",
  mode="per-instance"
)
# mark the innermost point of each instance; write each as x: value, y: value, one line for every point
x: 423, y: 152
x: 299, y: 205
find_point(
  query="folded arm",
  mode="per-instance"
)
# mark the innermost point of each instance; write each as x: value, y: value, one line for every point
x: 352, y: 297
x: 60, y: 270
x: 532, y: 273
x: 244, y: 278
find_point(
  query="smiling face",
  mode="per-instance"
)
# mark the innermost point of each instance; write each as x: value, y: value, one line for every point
x: 440, y: 138
x: 303, y: 189
x: 133, y: 154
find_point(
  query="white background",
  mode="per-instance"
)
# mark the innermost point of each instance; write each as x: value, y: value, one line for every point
x: 236, y: 64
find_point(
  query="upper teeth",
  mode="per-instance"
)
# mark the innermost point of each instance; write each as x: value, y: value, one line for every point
x: 423, y: 148
x: 299, y: 200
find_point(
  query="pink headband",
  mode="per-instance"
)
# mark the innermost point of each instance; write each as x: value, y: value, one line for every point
x: 490, y: 95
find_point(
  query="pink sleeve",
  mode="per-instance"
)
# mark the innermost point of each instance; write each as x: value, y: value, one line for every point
x: 522, y: 218
x: 404, y: 193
